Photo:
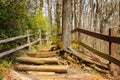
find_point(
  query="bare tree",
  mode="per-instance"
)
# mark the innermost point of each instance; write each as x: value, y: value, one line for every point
x: 81, y: 4
x: 105, y: 14
x: 66, y: 23
x: 41, y: 7
x: 49, y: 2
x: 76, y: 12
x: 58, y: 13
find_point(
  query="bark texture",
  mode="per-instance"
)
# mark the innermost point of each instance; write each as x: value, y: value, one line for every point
x: 66, y: 23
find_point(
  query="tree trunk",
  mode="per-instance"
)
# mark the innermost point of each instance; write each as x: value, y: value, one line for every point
x: 80, y: 12
x: 95, y: 24
x: 76, y: 13
x: 41, y: 7
x: 91, y: 14
x: 58, y: 12
x: 76, y: 17
x: 66, y: 23
x: 96, y: 17
x: 73, y: 15
x: 73, y: 19
x: 79, y: 20
x: 49, y: 2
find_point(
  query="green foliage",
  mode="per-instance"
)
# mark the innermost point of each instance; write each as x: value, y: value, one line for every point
x: 16, y: 18
x: 4, y: 64
x: 12, y: 18
x: 1, y: 76
x: 13, y: 14
x: 74, y: 45
x: 54, y: 32
x: 38, y: 22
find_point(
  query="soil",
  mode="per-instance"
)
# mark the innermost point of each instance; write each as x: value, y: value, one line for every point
x: 74, y: 73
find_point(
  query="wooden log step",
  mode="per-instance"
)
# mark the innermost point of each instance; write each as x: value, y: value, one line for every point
x: 40, y: 52
x: 38, y: 60
x: 43, y: 68
x: 42, y: 55
x: 45, y: 50
x: 40, y: 73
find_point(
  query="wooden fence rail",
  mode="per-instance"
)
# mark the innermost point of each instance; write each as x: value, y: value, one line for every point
x: 97, y: 35
x: 108, y: 38
x: 20, y: 47
x: 101, y: 54
x: 14, y: 38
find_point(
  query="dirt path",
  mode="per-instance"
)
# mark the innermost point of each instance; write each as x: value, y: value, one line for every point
x: 74, y: 72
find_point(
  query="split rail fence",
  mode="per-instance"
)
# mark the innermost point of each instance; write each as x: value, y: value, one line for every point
x: 28, y: 44
x: 109, y: 38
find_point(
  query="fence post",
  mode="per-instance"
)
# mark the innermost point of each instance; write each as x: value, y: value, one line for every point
x: 40, y: 37
x: 79, y: 39
x: 28, y: 40
x: 111, y: 52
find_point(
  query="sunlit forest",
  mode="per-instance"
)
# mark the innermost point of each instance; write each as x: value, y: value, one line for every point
x: 54, y: 21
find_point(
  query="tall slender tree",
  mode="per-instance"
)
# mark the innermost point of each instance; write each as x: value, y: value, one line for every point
x: 66, y: 23
x: 96, y: 16
x: 76, y: 13
x: 58, y: 13
x: 80, y: 11
x: 49, y: 2
x: 41, y: 7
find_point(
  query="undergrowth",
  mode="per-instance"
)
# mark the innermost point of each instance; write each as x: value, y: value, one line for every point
x: 3, y: 65
x: 6, y: 62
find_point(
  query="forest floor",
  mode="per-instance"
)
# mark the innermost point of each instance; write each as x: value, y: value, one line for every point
x: 74, y: 72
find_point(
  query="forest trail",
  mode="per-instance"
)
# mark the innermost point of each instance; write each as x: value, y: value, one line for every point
x: 44, y: 64
x: 87, y: 31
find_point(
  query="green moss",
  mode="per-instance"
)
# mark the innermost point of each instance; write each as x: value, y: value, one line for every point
x: 74, y: 45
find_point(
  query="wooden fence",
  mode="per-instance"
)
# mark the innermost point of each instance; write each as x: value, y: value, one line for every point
x: 28, y: 44
x: 109, y: 38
